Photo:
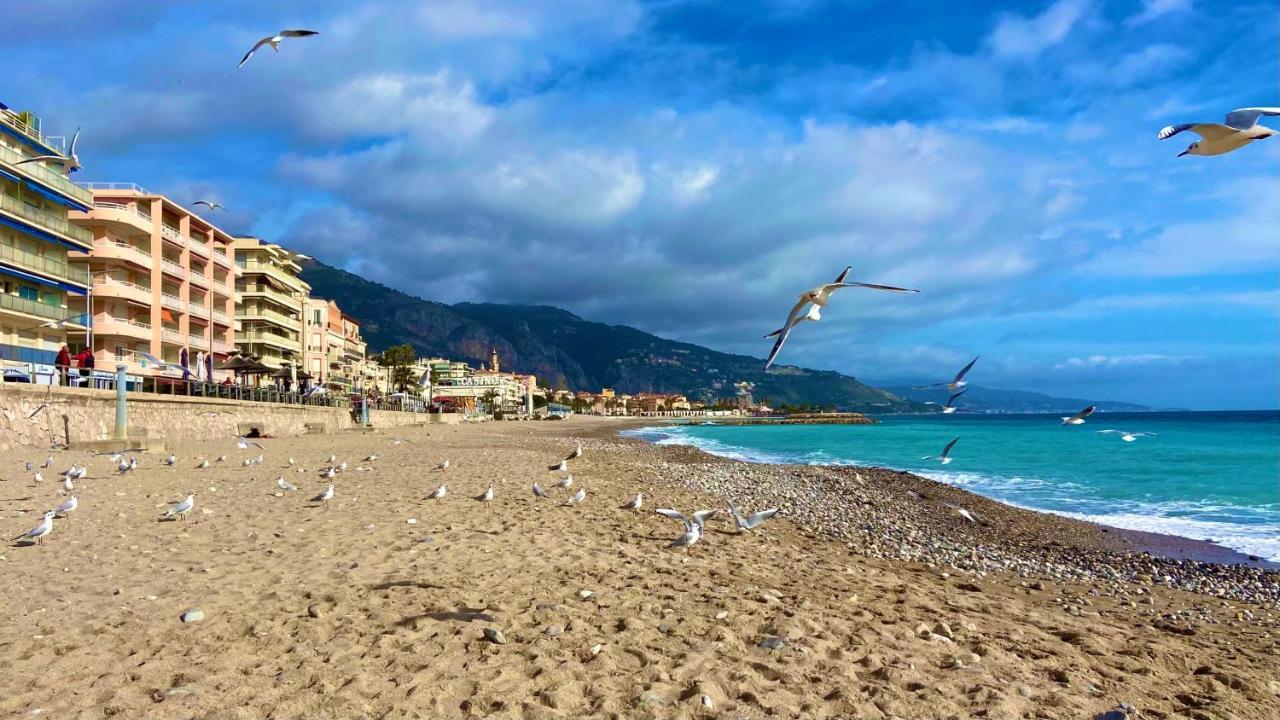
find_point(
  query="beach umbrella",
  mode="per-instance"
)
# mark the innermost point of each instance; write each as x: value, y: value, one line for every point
x: 183, y: 359
x: 200, y: 365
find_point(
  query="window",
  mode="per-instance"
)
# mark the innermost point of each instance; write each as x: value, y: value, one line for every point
x: 26, y: 292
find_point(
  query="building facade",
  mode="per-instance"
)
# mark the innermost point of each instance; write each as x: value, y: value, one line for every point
x: 273, y: 300
x: 42, y: 294
x: 163, y: 282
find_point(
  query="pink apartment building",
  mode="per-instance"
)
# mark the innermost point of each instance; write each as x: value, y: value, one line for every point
x: 162, y: 281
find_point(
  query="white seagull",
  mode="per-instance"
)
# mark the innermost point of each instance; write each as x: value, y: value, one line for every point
x: 285, y: 485
x: 66, y: 484
x: 956, y: 383
x: 67, y: 506
x: 38, y: 477
x: 950, y: 406
x: 324, y: 497
x: 37, y: 533
x: 211, y: 204
x: 443, y: 466
x: 699, y: 518
x: 692, y: 528
x: 487, y: 495
x: 274, y: 41
x: 180, y: 510
x: 69, y: 162
x: 1239, y: 129
x: 1126, y: 435
x: 578, y: 496
x: 561, y: 466
x: 819, y: 297
x: 243, y: 443
x: 635, y: 503
x: 439, y: 493
x: 565, y: 483
x: 751, y: 522
x: 577, y: 453
x: 945, y: 457
x: 813, y: 315
x: 1078, y: 418
x: 171, y: 459
x: 203, y: 464
x: 538, y: 492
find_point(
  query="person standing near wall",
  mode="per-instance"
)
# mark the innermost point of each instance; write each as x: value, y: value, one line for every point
x: 85, y: 360
x: 63, y: 363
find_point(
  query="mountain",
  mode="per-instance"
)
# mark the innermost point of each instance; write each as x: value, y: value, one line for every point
x: 565, y: 351
x: 991, y: 400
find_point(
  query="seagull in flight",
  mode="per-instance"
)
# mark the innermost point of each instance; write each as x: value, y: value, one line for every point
x: 751, y: 522
x: 38, y: 533
x: 1127, y: 436
x: 819, y: 297
x: 164, y: 366
x: 945, y: 457
x: 1078, y: 418
x: 813, y: 315
x: 956, y: 383
x: 243, y: 443
x: 1239, y: 129
x: 69, y: 162
x: 699, y: 518
x: 211, y: 204
x: 274, y: 41
x: 950, y: 406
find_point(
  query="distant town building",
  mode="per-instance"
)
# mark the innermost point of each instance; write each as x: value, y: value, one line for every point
x: 274, y: 297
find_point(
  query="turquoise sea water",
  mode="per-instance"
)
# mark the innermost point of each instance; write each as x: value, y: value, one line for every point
x: 1206, y: 475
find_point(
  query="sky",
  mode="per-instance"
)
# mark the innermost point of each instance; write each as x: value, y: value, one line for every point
x: 689, y: 167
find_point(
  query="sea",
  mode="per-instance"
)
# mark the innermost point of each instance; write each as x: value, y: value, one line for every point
x: 1202, y: 475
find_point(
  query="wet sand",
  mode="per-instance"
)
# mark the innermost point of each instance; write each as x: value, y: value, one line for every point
x: 354, y: 611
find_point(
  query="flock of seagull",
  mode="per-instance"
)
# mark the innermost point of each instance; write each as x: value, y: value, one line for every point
x: 694, y: 525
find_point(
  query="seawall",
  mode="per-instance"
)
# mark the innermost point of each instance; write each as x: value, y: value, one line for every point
x: 79, y: 416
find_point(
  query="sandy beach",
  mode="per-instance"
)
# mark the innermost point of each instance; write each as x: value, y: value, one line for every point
x: 860, y: 600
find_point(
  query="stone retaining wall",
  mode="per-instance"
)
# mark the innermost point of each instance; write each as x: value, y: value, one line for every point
x: 86, y: 415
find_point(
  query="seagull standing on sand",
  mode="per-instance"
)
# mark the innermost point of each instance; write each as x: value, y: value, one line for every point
x: 635, y: 503
x: 1078, y: 418
x: 565, y: 483
x: 1126, y: 435
x: 439, y: 493
x: 67, y: 484
x: 38, y: 533
x: 538, y: 492
x: 950, y: 406
x: 752, y: 522
x: 203, y: 465
x: 274, y: 41
x: 486, y: 497
x: 285, y: 485
x: 180, y: 510
x: 577, y: 453
x: 67, y: 506
x: 1239, y: 129
x: 562, y: 466
x: 171, y: 459
x: 69, y: 162
x: 324, y: 497
x: 39, y: 477
x: 578, y: 496
x: 945, y: 457
x: 956, y: 383
x: 47, y: 462
x: 443, y: 466
x: 818, y: 297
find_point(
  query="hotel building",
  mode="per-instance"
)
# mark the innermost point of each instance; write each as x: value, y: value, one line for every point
x: 273, y: 301
x: 163, y: 281
x: 41, y: 293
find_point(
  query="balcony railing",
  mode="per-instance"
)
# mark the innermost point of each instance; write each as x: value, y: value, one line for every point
x: 141, y: 293
x: 198, y: 310
x: 173, y: 336
x: 223, y: 347
x: 198, y: 279
x: 170, y: 232
x: 222, y: 259
x: 42, y: 174
x: 270, y: 292
x: 135, y: 328
x: 43, y: 264
x: 130, y: 209
x: 246, y: 311
x: 198, y: 246
x: 172, y: 302
x: 198, y: 341
x: 56, y: 222
x: 267, y: 337
x: 173, y: 267
x: 221, y: 317
x: 31, y: 307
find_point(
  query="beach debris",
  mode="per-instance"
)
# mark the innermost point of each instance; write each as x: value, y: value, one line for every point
x: 313, y: 610
x: 554, y: 630
x: 772, y: 642
x: 495, y: 636
x: 191, y: 615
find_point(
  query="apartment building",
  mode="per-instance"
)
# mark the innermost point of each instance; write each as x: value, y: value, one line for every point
x: 42, y: 294
x: 273, y: 302
x: 163, y: 282
x: 354, y: 352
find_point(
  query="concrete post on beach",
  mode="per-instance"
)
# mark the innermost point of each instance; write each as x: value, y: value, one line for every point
x: 122, y: 418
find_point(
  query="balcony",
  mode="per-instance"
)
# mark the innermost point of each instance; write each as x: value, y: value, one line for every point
x: 221, y: 257
x: 170, y: 233
x: 46, y: 265
x: 271, y: 294
x: 223, y: 347
x: 173, y: 302
x: 110, y: 287
x: 284, y: 275
x: 198, y: 341
x: 114, y: 250
x: 45, y: 176
x: 173, y: 268
x: 197, y: 309
x: 131, y: 217
x: 173, y: 336
x: 269, y: 338
x: 14, y: 303
x: 54, y: 222
x: 198, y: 279
x: 126, y: 327
x: 199, y: 247
x: 222, y: 290
x: 250, y: 312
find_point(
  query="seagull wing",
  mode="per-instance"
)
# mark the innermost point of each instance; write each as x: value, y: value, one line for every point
x: 890, y: 288
x: 777, y: 346
x: 758, y: 518
x: 297, y: 33
x: 674, y: 515
x: 71, y: 149
x: 946, y: 451
x: 733, y: 510
x: 1245, y: 118
x: 964, y: 371
x: 1208, y: 131
x: 425, y: 379
x: 953, y: 397
x: 40, y: 158
x: 700, y: 517
x: 844, y: 274
x: 1111, y: 432
x: 253, y: 50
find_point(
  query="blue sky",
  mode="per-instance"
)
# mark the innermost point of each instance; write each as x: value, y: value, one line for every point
x: 689, y: 167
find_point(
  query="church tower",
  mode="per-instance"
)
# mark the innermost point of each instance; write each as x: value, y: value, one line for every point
x: 493, y: 361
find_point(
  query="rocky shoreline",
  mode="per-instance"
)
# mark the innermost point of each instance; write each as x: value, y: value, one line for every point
x: 896, y: 515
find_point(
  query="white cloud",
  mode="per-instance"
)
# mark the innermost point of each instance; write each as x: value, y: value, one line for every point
x: 1024, y: 38
x: 1121, y: 361
x: 1153, y: 9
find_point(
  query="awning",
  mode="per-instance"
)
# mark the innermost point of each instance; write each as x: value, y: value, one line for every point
x: 52, y: 197
x: 8, y: 175
x: 165, y: 315
x: 6, y: 270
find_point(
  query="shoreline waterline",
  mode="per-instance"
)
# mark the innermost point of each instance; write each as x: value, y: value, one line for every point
x: 1144, y: 531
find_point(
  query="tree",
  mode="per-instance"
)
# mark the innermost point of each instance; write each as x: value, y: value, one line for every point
x: 490, y: 397
x: 399, y: 358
